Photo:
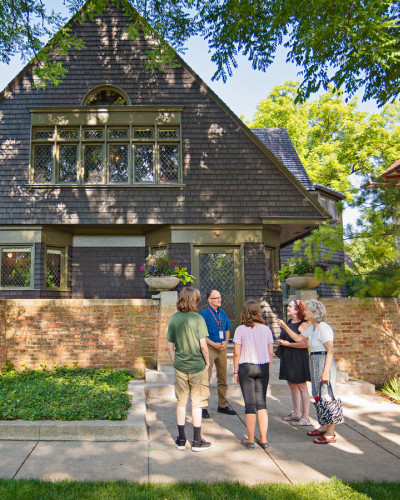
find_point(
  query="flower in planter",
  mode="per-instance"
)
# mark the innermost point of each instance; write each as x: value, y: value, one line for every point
x: 300, y: 267
x: 161, y: 265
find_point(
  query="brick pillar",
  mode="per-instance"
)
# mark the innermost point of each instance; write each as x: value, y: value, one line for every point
x: 3, y: 351
x: 167, y: 310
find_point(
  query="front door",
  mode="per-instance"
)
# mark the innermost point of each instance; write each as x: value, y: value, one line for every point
x: 220, y: 268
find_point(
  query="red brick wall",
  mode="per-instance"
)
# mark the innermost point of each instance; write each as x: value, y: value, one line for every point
x: 95, y: 333
x: 367, y: 337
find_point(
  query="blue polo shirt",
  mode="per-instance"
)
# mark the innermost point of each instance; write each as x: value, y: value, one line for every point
x: 212, y: 325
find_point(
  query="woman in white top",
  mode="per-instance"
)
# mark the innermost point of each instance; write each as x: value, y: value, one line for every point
x: 252, y: 359
x: 323, y: 368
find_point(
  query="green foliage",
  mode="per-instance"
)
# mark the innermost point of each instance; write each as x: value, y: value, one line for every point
x: 392, y: 389
x: 333, y: 489
x: 362, y: 53
x: 162, y: 265
x: 300, y: 267
x: 332, y: 137
x: 64, y: 394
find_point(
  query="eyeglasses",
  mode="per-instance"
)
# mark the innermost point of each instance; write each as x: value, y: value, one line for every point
x: 215, y: 298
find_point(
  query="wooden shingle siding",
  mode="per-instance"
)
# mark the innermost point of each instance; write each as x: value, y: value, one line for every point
x: 111, y: 273
x: 227, y: 176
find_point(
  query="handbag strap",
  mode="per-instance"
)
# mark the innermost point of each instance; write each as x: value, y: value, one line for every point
x: 330, y: 390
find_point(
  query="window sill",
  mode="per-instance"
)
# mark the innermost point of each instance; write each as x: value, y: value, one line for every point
x: 103, y: 186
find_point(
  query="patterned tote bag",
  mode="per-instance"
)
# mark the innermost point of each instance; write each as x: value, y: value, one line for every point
x: 328, y: 411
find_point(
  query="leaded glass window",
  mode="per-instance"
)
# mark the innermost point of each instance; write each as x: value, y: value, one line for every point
x: 16, y: 267
x: 93, y: 164
x: 55, y: 273
x: 125, y: 154
x: 68, y: 162
x: 144, y: 171
x: 168, y: 163
x: 118, y: 163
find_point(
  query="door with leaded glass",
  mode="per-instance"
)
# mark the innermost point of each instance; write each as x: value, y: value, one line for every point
x: 220, y: 269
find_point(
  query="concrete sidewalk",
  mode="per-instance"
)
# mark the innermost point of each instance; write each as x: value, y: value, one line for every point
x: 367, y: 447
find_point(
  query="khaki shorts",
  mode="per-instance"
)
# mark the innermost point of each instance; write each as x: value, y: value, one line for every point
x: 195, y: 384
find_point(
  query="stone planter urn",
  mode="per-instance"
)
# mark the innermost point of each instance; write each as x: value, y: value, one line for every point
x: 303, y: 282
x: 162, y: 282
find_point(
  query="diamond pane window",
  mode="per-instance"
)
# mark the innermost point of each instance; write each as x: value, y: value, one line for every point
x: 168, y: 134
x: 43, y: 163
x: 44, y: 134
x: 93, y: 164
x: 143, y: 133
x: 94, y: 133
x: 144, y: 164
x: 53, y: 268
x: 68, y: 162
x: 118, y: 163
x: 69, y: 133
x: 16, y: 267
x: 118, y: 133
x: 217, y: 272
x: 168, y: 163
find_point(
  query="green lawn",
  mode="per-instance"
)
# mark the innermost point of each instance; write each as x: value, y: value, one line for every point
x: 120, y: 490
x: 64, y: 394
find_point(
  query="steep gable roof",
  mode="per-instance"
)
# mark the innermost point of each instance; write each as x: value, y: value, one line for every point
x: 231, y: 175
x: 279, y: 142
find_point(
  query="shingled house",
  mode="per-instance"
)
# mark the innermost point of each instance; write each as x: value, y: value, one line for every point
x: 119, y: 160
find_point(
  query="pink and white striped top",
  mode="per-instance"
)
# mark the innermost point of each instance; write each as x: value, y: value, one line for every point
x: 254, y: 342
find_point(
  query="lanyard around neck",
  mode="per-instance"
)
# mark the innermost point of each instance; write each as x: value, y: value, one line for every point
x: 219, y: 313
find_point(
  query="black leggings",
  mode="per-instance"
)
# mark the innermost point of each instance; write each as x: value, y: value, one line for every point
x: 254, y: 383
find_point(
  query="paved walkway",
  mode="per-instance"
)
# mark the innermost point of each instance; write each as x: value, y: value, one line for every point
x: 367, y: 447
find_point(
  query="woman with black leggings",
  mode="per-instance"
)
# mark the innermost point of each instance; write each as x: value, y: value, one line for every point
x: 252, y: 359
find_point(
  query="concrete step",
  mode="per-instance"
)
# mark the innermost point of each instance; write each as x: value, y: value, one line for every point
x: 160, y: 382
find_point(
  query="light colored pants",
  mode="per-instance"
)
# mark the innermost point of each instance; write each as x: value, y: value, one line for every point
x: 317, y: 367
x: 220, y: 360
x: 193, y: 384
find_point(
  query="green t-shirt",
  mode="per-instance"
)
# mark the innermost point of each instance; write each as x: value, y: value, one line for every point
x: 185, y: 330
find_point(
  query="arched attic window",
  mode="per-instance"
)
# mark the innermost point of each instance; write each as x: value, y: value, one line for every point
x: 106, y: 95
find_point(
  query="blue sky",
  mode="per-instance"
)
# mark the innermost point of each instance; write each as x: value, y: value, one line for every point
x: 241, y: 93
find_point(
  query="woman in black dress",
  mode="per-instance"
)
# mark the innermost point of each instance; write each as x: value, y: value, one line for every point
x: 295, y: 365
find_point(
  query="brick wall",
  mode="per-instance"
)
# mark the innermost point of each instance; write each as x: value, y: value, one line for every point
x: 367, y: 337
x: 95, y: 333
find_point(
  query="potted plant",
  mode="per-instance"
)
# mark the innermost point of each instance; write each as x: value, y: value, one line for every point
x: 302, y: 274
x: 162, y: 274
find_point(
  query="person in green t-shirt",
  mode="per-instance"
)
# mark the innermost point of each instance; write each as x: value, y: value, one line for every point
x: 187, y: 347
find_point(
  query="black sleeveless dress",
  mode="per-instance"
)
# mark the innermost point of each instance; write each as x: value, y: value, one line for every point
x: 295, y: 364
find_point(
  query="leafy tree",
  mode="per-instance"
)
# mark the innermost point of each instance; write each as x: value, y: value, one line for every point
x: 333, y: 138
x: 352, y: 45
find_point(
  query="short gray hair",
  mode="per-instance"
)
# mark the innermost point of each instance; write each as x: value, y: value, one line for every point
x: 318, y: 310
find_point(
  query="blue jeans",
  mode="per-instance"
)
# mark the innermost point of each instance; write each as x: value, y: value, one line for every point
x: 254, y: 383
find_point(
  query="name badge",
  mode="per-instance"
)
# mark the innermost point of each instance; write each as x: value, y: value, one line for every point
x: 221, y: 335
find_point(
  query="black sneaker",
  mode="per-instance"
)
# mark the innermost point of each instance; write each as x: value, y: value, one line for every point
x: 226, y: 410
x: 205, y: 413
x: 201, y: 445
x: 180, y: 443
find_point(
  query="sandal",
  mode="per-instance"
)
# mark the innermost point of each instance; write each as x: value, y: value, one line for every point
x: 247, y: 444
x: 325, y: 440
x: 291, y: 416
x: 316, y: 432
x: 301, y: 422
x: 264, y: 445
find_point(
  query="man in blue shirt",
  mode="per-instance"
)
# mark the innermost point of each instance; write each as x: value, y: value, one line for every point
x: 218, y: 327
